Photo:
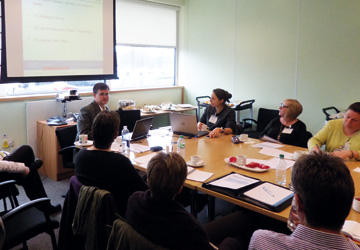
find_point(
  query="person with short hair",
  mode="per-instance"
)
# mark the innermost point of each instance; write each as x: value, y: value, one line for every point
x: 218, y: 116
x: 324, y: 191
x: 100, y: 167
x: 287, y: 128
x: 341, y: 136
x: 158, y: 217
x: 88, y: 113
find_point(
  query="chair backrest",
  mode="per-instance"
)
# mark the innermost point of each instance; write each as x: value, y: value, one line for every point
x: 104, y: 215
x: 128, y: 118
x: 66, y: 138
x: 333, y: 110
x: 8, y: 193
x: 264, y: 117
x: 304, y: 139
x: 123, y: 237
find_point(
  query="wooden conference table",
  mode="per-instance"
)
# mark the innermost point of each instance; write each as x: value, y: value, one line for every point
x: 213, y: 151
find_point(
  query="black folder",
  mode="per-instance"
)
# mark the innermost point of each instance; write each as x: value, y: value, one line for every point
x: 239, y: 193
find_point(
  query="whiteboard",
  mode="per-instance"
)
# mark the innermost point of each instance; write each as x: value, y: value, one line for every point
x: 42, y: 110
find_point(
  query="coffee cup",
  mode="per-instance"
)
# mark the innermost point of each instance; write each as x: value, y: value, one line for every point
x: 356, y: 204
x: 244, y: 137
x: 298, y: 154
x: 241, y: 160
x: 204, y: 127
x: 83, y: 138
x: 195, y: 160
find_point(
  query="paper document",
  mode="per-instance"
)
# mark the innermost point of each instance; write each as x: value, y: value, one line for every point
x: 160, y: 132
x: 143, y: 160
x: 268, y: 145
x: 270, y: 194
x: 197, y: 175
x: 276, y: 153
x: 137, y: 148
x: 269, y: 139
x: 234, y: 181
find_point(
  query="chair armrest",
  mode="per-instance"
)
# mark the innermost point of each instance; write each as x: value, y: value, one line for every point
x: 66, y: 149
x: 7, y: 183
x: 24, y: 207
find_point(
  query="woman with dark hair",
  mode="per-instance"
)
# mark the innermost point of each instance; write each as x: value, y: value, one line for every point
x: 218, y: 117
x: 341, y: 136
x: 287, y: 128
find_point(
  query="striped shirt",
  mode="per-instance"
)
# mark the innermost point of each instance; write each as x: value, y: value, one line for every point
x: 302, y: 238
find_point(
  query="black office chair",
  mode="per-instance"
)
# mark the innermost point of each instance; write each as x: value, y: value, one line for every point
x: 264, y: 117
x: 128, y: 118
x: 26, y: 221
x: 304, y: 139
x: 66, y: 138
x: 201, y: 103
x: 330, y: 111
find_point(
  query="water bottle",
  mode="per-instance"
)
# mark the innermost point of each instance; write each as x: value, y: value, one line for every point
x: 125, y: 138
x: 181, y: 146
x: 281, y: 171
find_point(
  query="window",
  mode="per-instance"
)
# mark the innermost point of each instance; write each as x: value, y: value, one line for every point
x: 146, y: 36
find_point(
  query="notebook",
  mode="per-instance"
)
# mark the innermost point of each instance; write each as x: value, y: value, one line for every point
x: 185, y: 124
x: 141, y: 128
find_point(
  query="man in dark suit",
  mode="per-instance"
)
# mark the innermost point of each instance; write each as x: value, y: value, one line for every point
x: 89, y: 112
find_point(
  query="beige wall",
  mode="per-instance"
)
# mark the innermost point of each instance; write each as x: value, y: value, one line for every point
x: 270, y: 50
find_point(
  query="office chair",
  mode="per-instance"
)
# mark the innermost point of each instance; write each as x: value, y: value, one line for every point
x: 70, y: 238
x: 123, y: 236
x: 201, y: 104
x: 26, y: 221
x: 128, y: 118
x: 66, y: 138
x: 264, y: 117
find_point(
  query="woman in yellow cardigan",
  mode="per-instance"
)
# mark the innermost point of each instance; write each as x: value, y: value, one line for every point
x: 341, y: 136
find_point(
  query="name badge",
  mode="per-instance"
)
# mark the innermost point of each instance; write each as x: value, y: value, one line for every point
x: 287, y: 131
x: 213, y: 119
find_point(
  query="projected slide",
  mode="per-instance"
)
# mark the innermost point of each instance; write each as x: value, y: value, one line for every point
x: 59, y: 37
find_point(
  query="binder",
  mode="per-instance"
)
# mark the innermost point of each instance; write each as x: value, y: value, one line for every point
x: 252, y: 193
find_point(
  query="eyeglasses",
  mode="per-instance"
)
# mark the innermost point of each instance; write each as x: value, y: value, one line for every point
x: 283, y: 106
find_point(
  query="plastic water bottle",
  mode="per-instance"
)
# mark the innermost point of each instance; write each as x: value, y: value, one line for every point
x: 181, y: 146
x: 281, y: 171
x: 125, y: 138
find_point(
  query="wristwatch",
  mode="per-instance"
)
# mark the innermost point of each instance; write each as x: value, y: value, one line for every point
x: 223, y: 130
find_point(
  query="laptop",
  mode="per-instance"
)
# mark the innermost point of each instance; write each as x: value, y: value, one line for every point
x: 185, y: 124
x: 141, y: 128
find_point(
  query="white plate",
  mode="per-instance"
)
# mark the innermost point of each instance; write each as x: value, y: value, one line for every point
x: 259, y: 170
x: 87, y: 144
x: 249, y: 142
x: 200, y: 164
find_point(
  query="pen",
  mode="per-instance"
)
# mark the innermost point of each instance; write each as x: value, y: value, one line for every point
x: 268, y: 191
x: 317, y: 146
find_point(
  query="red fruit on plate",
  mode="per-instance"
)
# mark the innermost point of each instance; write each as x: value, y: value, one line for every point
x: 232, y: 159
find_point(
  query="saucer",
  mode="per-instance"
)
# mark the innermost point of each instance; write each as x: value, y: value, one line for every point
x: 259, y: 170
x: 200, y: 164
x: 87, y: 144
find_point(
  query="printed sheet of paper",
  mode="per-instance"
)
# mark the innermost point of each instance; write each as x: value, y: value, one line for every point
x: 143, y: 160
x: 234, y: 181
x: 268, y: 145
x: 276, y: 152
x: 198, y: 175
x: 269, y: 194
x: 138, y: 148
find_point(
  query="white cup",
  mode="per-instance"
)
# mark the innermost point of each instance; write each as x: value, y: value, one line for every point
x: 83, y: 138
x: 244, y: 137
x: 195, y: 159
x: 298, y: 154
x: 241, y: 160
x: 356, y: 204
x: 204, y: 127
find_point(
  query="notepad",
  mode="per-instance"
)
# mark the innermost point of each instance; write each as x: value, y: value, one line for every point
x: 270, y: 194
x: 234, y: 181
